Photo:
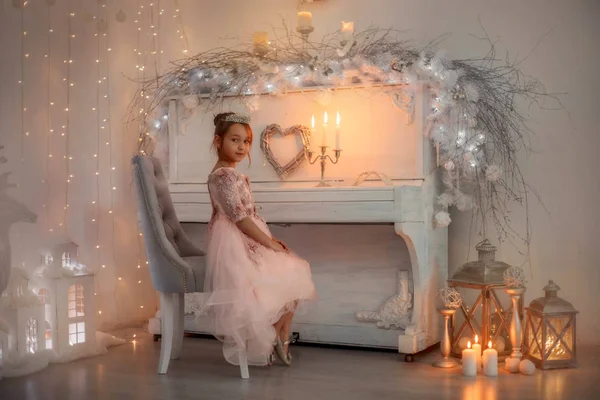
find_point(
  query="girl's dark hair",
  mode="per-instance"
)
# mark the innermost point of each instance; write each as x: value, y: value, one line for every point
x: 222, y: 126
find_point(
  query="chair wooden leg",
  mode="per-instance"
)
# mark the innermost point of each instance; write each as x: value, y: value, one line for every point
x: 167, y: 328
x: 244, y: 364
x: 178, y: 299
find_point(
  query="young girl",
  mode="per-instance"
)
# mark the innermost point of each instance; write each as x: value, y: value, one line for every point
x: 254, y: 281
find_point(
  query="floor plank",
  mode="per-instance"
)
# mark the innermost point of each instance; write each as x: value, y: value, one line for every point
x: 129, y: 372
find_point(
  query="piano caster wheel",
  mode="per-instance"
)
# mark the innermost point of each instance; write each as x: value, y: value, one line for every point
x: 156, y: 337
x: 408, y: 358
x: 295, y: 337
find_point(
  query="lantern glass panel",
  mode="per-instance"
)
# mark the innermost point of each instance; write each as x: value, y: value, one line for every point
x: 559, y: 350
x: 535, y: 338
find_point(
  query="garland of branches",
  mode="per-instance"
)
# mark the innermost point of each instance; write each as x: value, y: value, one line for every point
x: 474, y: 118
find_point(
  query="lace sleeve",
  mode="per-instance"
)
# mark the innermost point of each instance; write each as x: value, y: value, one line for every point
x: 230, y: 192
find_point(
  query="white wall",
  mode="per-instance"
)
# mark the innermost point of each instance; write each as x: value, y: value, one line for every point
x: 555, y: 39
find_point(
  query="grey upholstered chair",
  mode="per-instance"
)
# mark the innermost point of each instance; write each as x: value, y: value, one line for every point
x: 176, y: 265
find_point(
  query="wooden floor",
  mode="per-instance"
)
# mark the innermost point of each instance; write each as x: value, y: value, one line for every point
x: 129, y: 372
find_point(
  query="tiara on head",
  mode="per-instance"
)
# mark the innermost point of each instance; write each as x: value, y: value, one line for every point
x: 239, y: 118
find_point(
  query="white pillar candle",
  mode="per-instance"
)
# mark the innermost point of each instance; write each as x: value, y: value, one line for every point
x: 337, y: 132
x: 477, y: 348
x: 313, y: 139
x: 261, y: 41
x: 324, y: 131
x: 304, y: 19
x: 490, y: 361
x: 469, y: 361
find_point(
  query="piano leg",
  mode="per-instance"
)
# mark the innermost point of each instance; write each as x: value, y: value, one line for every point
x: 429, y: 260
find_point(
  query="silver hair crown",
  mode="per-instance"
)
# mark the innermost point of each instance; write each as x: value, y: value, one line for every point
x: 239, y: 118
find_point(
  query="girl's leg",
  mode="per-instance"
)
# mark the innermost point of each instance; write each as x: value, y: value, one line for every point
x: 278, y: 326
x: 285, y: 329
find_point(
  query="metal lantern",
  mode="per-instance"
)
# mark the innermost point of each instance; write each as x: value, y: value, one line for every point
x: 550, y: 331
x: 486, y: 318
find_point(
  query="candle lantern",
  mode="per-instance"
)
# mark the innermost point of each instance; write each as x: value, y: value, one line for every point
x: 550, y: 331
x: 486, y: 317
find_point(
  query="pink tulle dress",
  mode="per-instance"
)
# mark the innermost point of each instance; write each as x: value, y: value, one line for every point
x: 249, y: 286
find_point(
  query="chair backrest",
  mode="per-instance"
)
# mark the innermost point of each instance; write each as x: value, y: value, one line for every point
x: 161, y: 228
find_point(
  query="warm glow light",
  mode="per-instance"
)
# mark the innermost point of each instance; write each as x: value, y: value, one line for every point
x: 325, y: 118
x: 469, y: 344
x: 476, y: 339
x: 312, y: 122
x: 337, y: 119
x: 490, y: 344
x: 347, y: 27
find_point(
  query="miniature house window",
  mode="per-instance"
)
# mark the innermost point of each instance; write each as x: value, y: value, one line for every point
x: 48, y: 259
x: 76, y: 333
x: 66, y: 259
x: 44, y: 296
x: 76, y: 301
x: 31, y: 330
x: 48, y: 335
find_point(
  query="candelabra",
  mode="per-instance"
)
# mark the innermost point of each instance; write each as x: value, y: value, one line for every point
x: 445, y: 345
x: 323, y: 158
x: 515, y: 322
x: 304, y: 31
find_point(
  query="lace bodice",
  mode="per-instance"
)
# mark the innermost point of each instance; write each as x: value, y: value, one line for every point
x: 231, y: 194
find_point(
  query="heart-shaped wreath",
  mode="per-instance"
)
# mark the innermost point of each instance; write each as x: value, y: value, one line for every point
x: 274, y: 129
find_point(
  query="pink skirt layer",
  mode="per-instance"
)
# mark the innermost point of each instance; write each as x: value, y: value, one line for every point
x: 249, y: 288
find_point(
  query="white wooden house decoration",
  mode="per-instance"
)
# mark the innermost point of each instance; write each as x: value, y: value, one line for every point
x: 3, y: 342
x: 3, y: 346
x: 67, y: 290
x: 24, y: 314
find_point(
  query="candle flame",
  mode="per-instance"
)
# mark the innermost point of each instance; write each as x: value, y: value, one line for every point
x: 337, y: 119
x: 490, y: 344
x: 325, y: 117
x: 469, y: 344
x: 312, y: 122
x: 476, y: 339
x: 347, y: 26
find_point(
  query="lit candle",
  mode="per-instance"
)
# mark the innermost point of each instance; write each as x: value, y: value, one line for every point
x: 324, y: 132
x: 347, y: 27
x: 469, y: 361
x: 312, y: 133
x: 337, y: 132
x: 490, y: 361
x: 261, y: 41
x: 304, y: 19
x: 477, y: 348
